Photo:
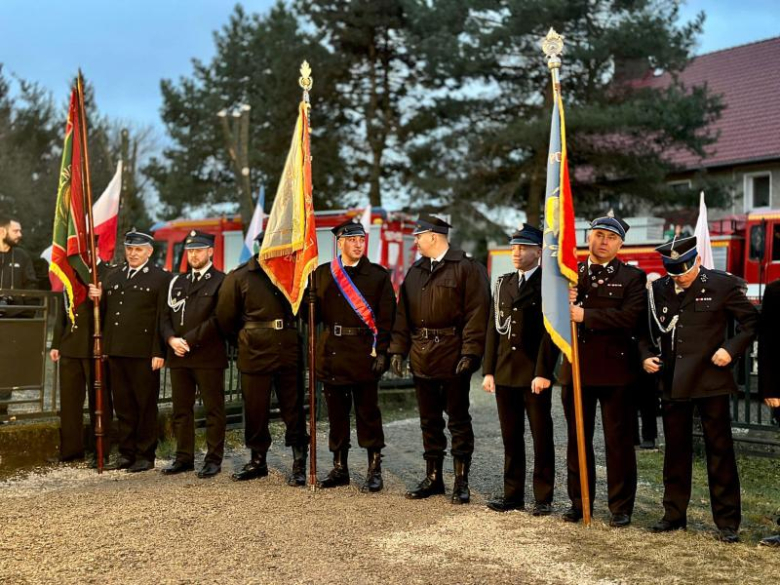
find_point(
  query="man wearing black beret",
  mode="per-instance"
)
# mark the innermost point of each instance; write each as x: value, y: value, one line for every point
x: 196, y: 356
x: 441, y: 324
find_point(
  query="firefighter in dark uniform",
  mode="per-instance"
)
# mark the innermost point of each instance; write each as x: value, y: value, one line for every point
x: 253, y: 309
x: 196, y: 356
x: 133, y: 299
x: 72, y: 346
x: 441, y: 324
x: 518, y: 367
x: 608, y: 305
x: 690, y: 310
x: 356, y: 304
x: 768, y: 366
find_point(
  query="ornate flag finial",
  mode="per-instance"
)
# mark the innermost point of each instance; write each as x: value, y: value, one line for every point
x: 305, y: 81
x: 552, y: 46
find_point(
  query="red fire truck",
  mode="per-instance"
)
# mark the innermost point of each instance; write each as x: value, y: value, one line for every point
x: 745, y: 245
x: 389, y: 242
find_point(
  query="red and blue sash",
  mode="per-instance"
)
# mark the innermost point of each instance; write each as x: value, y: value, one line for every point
x: 354, y: 298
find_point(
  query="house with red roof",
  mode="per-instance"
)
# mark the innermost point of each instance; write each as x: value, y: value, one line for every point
x: 746, y: 155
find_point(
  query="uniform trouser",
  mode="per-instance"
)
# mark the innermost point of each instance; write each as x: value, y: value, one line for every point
x: 618, y: 419
x: 135, y: 388
x: 647, y: 405
x: 211, y: 384
x: 434, y: 398
x: 721, y: 464
x: 513, y: 404
x: 77, y: 381
x: 257, y: 408
x: 368, y: 419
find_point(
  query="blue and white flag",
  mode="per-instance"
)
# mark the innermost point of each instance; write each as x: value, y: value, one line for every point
x: 255, y: 227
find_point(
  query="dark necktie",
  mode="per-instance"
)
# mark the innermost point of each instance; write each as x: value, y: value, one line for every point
x: 433, y: 264
x: 521, y: 281
x: 131, y: 273
x: 596, y: 269
x: 196, y: 276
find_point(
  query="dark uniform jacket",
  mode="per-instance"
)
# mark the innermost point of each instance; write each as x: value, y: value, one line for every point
x: 454, y: 297
x: 705, y: 310
x: 131, y: 310
x: 195, y: 321
x: 248, y: 295
x: 615, y: 303
x: 516, y: 358
x: 769, y: 343
x: 16, y: 270
x: 347, y: 359
x: 76, y: 341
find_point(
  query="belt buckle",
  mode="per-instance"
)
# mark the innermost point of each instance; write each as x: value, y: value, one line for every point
x: 337, y: 330
x: 278, y: 324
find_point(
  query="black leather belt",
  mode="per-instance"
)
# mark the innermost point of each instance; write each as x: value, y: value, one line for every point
x: 339, y: 331
x: 426, y: 333
x: 277, y: 324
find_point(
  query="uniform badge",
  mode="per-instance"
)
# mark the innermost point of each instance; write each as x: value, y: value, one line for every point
x: 662, y: 319
x: 192, y: 233
x: 582, y: 268
x: 703, y: 277
x: 145, y: 270
x: 601, y: 281
x: 610, y: 269
x: 207, y: 276
x: 665, y: 309
x: 116, y: 286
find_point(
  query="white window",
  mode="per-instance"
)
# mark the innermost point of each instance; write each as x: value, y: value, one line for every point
x: 758, y: 190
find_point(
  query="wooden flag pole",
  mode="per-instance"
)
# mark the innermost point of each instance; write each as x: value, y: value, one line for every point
x: 97, y: 345
x: 553, y: 47
x: 306, y: 82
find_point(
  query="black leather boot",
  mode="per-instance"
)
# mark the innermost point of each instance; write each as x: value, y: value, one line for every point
x: 374, y: 481
x: 257, y: 467
x: 339, y: 475
x: 433, y: 483
x: 460, y: 491
x: 298, y: 476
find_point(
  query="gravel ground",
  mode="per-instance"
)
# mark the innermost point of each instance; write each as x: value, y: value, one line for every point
x: 68, y: 525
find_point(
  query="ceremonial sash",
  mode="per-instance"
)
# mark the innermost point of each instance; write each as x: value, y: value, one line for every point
x: 354, y: 297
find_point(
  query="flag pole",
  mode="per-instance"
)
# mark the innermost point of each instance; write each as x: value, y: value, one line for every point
x: 97, y: 345
x: 553, y: 47
x: 306, y: 82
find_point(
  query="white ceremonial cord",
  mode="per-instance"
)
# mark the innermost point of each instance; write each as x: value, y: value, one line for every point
x: 176, y: 305
x: 664, y: 330
x: 504, y: 328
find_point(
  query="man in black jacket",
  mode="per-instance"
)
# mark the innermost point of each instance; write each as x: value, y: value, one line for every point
x: 253, y: 309
x: 691, y: 309
x: 768, y: 363
x: 133, y: 299
x: 356, y: 303
x: 518, y: 367
x: 608, y: 304
x: 196, y: 356
x: 441, y: 324
x: 72, y: 346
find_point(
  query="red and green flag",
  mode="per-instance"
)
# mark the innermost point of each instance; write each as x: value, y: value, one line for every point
x: 70, y: 256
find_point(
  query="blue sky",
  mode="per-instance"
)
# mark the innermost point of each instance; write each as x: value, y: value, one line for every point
x: 125, y: 48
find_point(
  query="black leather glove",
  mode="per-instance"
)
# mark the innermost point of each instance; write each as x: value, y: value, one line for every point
x: 467, y: 365
x: 397, y: 364
x: 380, y: 365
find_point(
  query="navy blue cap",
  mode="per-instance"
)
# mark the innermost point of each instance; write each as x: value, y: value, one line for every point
x: 197, y: 240
x: 259, y: 237
x: 679, y: 255
x: 136, y: 238
x: 611, y: 224
x: 527, y: 235
x: 431, y: 223
x: 349, y: 228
